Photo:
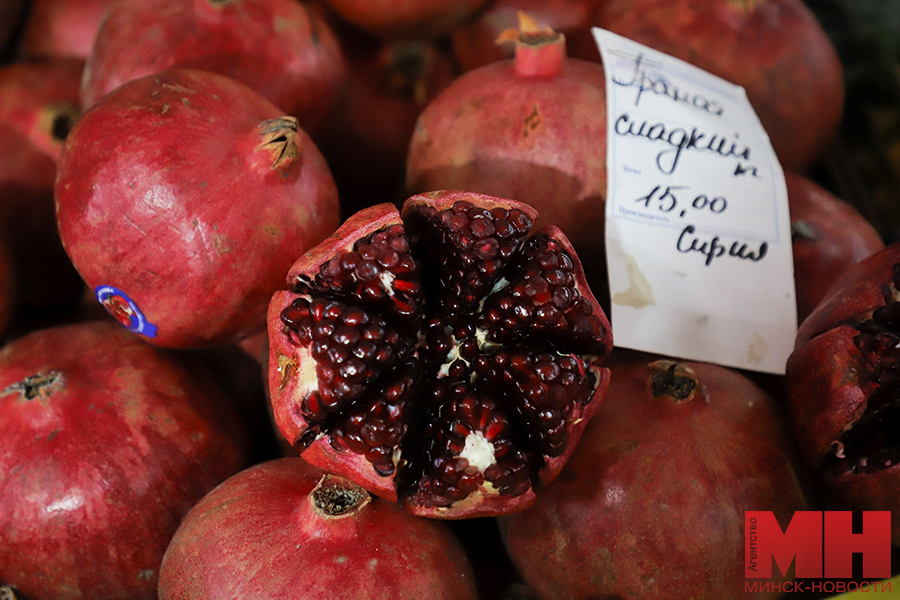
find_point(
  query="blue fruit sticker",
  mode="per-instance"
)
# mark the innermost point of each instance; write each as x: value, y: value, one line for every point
x: 119, y: 305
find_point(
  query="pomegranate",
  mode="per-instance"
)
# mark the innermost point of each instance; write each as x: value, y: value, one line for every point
x: 389, y: 85
x: 38, y: 107
x: 106, y: 444
x: 62, y: 27
x: 444, y: 359
x: 654, y: 497
x: 474, y: 43
x: 318, y: 536
x: 416, y: 19
x: 184, y: 194
x: 775, y: 49
x: 843, y: 378
x: 40, y: 99
x: 829, y: 236
x: 281, y: 49
x: 532, y: 129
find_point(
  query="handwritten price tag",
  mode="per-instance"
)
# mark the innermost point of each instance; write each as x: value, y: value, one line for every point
x: 697, y: 225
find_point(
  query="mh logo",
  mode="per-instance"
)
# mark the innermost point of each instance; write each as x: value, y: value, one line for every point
x: 823, y: 544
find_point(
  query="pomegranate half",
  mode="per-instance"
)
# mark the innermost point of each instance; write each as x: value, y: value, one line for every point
x: 439, y: 355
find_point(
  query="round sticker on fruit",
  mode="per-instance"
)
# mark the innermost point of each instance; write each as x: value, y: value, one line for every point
x: 126, y: 312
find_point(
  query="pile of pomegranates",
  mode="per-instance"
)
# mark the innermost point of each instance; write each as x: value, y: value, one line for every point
x: 303, y: 299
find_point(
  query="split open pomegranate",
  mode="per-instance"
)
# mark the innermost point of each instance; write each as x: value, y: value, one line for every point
x: 439, y: 356
x: 843, y: 386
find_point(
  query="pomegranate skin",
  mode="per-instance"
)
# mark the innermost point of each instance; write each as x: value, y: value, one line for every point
x: 62, y: 27
x: 841, y: 386
x: 108, y: 443
x: 284, y: 51
x: 415, y: 19
x: 654, y: 497
x: 146, y: 199
x: 775, y: 49
x: 828, y: 235
x: 536, y: 139
x: 265, y: 516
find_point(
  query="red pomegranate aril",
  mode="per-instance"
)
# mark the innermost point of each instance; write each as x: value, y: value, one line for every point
x: 452, y: 415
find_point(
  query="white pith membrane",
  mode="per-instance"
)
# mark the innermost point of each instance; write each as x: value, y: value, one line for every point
x: 475, y: 452
x: 871, y: 442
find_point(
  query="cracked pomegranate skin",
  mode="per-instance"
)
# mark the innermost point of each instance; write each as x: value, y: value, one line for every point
x: 439, y: 356
x: 843, y: 386
x: 264, y: 534
x: 775, y: 49
x: 106, y: 445
x: 189, y: 193
x: 279, y: 48
x: 653, y: 499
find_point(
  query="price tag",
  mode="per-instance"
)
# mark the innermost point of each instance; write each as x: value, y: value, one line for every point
x: 697, y: 225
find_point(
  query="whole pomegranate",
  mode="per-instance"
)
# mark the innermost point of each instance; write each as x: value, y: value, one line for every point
x: 62, y: 27
x: 654, y: 498
x: 106, y: 445
x: 532, y: 129
x: 828, y: 236
x: 474, y: 43
x: 317, y: 537
x: 843, y: 380
x: 416, y: 19
x: 182, y: 198
x: 444, y: 358
x: 280, y: 48
x: 38, y: 107
x: 775, y: 49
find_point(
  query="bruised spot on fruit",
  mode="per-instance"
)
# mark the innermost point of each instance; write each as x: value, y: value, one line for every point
x: 532, y: 122
x: 286, y: 367
x: 335, y: 497
x: 41, y: 385
x: 672, y: 379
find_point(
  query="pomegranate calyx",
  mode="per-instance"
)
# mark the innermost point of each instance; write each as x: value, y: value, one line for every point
x: 337, y: 498
x: 673, y: 380
x: 58, y: 119
x: 539, y: 52
x: 40, y: 385
x: 279, y: 137
x: 7, y: 593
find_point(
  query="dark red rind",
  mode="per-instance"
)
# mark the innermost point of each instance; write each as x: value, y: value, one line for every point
x: 827, y: 388
x: 258, y: 535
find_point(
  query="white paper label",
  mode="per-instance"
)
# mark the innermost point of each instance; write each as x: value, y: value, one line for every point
x: 697, y: 225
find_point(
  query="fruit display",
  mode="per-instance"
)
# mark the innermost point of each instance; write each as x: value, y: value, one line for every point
x: 310, y: 299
